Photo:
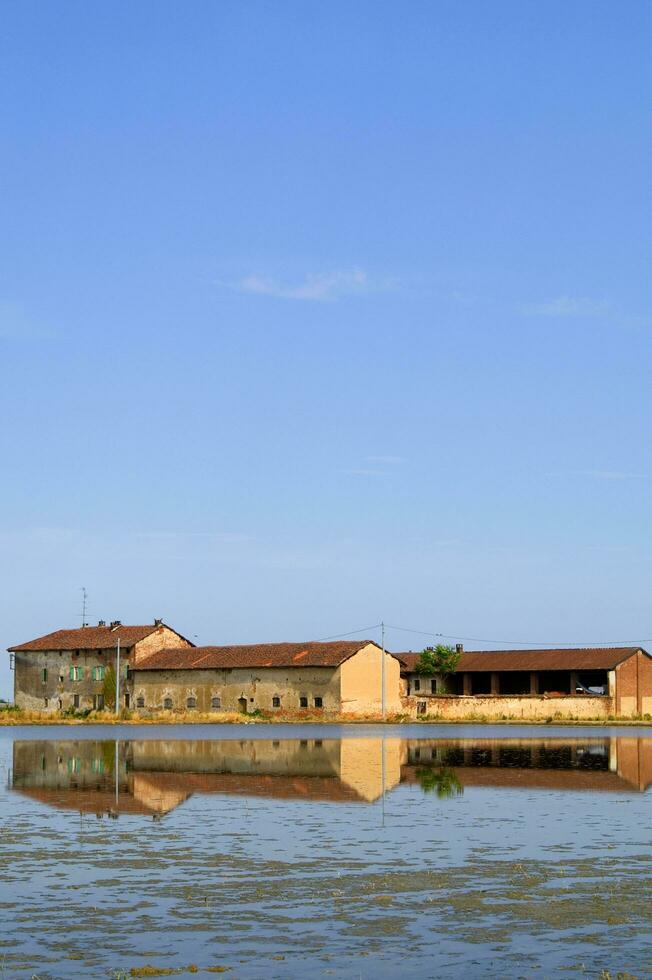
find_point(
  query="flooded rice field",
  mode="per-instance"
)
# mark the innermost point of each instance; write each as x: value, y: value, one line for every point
x: 323, y: 852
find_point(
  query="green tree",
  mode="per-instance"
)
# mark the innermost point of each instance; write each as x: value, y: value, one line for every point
x: 108, y: 688
x: 441, y: 660
x: 444, y: 782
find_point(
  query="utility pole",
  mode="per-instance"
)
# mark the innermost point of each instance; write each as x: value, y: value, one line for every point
x: 382, y: 669
x: 117, y: 678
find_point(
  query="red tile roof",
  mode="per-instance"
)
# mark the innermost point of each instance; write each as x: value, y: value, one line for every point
x: 571, y: 658
x: 89, y: 638
x: 257, y: 655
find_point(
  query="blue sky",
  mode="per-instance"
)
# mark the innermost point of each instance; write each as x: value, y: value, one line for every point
x: 313, y: 315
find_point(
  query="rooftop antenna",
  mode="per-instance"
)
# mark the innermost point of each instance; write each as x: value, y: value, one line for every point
x: 84, y: 605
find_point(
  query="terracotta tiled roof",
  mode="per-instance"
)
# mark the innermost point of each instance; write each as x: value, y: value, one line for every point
x: 571, y: 658
x: 88, y: 638
x: 257, y: 655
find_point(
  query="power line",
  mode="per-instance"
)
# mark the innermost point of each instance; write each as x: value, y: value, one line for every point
x: 525, y: 643
x: 338, y: 636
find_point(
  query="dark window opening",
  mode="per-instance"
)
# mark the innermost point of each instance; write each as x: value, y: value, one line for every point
x: 514, y: 682
x: 417, y: 684
x: 481, y: 683
x: 421, y: 707
x: 98, y: 702
x: 45, y: 702
x: 303, y: 702
x: 191, y: 703
x: 433, y: 685
x: 319, y: 703
x: 75, y: 700
x: 44, y: 675
x: 167, y: 703
x: 216, y: 702
x: 140, y: 702
x: 555, y: 682
x: 276, y: 702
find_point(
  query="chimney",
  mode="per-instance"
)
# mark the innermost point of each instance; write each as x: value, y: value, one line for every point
x: 459, y: 648
x: 116, y: 622
x: 158, y: 622
x: 102, y: 622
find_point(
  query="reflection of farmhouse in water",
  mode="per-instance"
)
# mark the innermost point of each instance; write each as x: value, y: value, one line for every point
x: 154, y: 777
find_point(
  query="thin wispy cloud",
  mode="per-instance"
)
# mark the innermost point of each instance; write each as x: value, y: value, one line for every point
x: 363, y: 472
x: 391, y: 460
x: 227, y: 537
x: 320, y: 288
x: 612, y: 475
x: 567, y: 306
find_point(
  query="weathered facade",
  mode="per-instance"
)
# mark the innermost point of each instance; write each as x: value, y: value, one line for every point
x: 336, y: 678
x: 67, y: 669
x: 599, y: 682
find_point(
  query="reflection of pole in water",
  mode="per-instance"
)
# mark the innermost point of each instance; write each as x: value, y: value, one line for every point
x: 117, y: 776
x: 382, y: 773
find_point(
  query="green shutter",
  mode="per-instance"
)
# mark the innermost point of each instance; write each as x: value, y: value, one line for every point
x: 72, y: 673
x: 81, y: 674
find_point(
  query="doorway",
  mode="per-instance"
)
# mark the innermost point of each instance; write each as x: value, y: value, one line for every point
x: 242, y: 706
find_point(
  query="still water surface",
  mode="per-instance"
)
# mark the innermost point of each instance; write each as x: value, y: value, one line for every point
x: 326, y: 852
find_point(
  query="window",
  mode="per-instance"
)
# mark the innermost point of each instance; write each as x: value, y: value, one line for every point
x: 303, y: 702
x: 433, y: 686
x: 76, y: 673
x: 45, y: 702
x: 97, y: 765
x: 98, y: 702
x: 44, y: 675
x: 191, y: 703
x: 75, y: 701
x: 98, y: 673
x: 127, y: 700
x: 319, y: 703
x: 421, y: 707
x: 216, y: 702
x: 276, y: 701
x: 167, y: 703
x: 417, y: 684
x: 140, y: 702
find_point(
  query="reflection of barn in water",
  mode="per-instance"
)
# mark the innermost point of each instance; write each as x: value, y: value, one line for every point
x: 597, y: 764
x: 153, y: 777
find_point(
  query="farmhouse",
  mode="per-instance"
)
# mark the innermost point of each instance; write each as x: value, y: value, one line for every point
x: 336, y: 677
x: 68, y: 668
x: 584, y: 682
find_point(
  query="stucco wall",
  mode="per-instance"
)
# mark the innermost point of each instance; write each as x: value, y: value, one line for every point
x: 257, y: 685
x: 30, y: 691
x: 528, y: 707
x: 361, y: 677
